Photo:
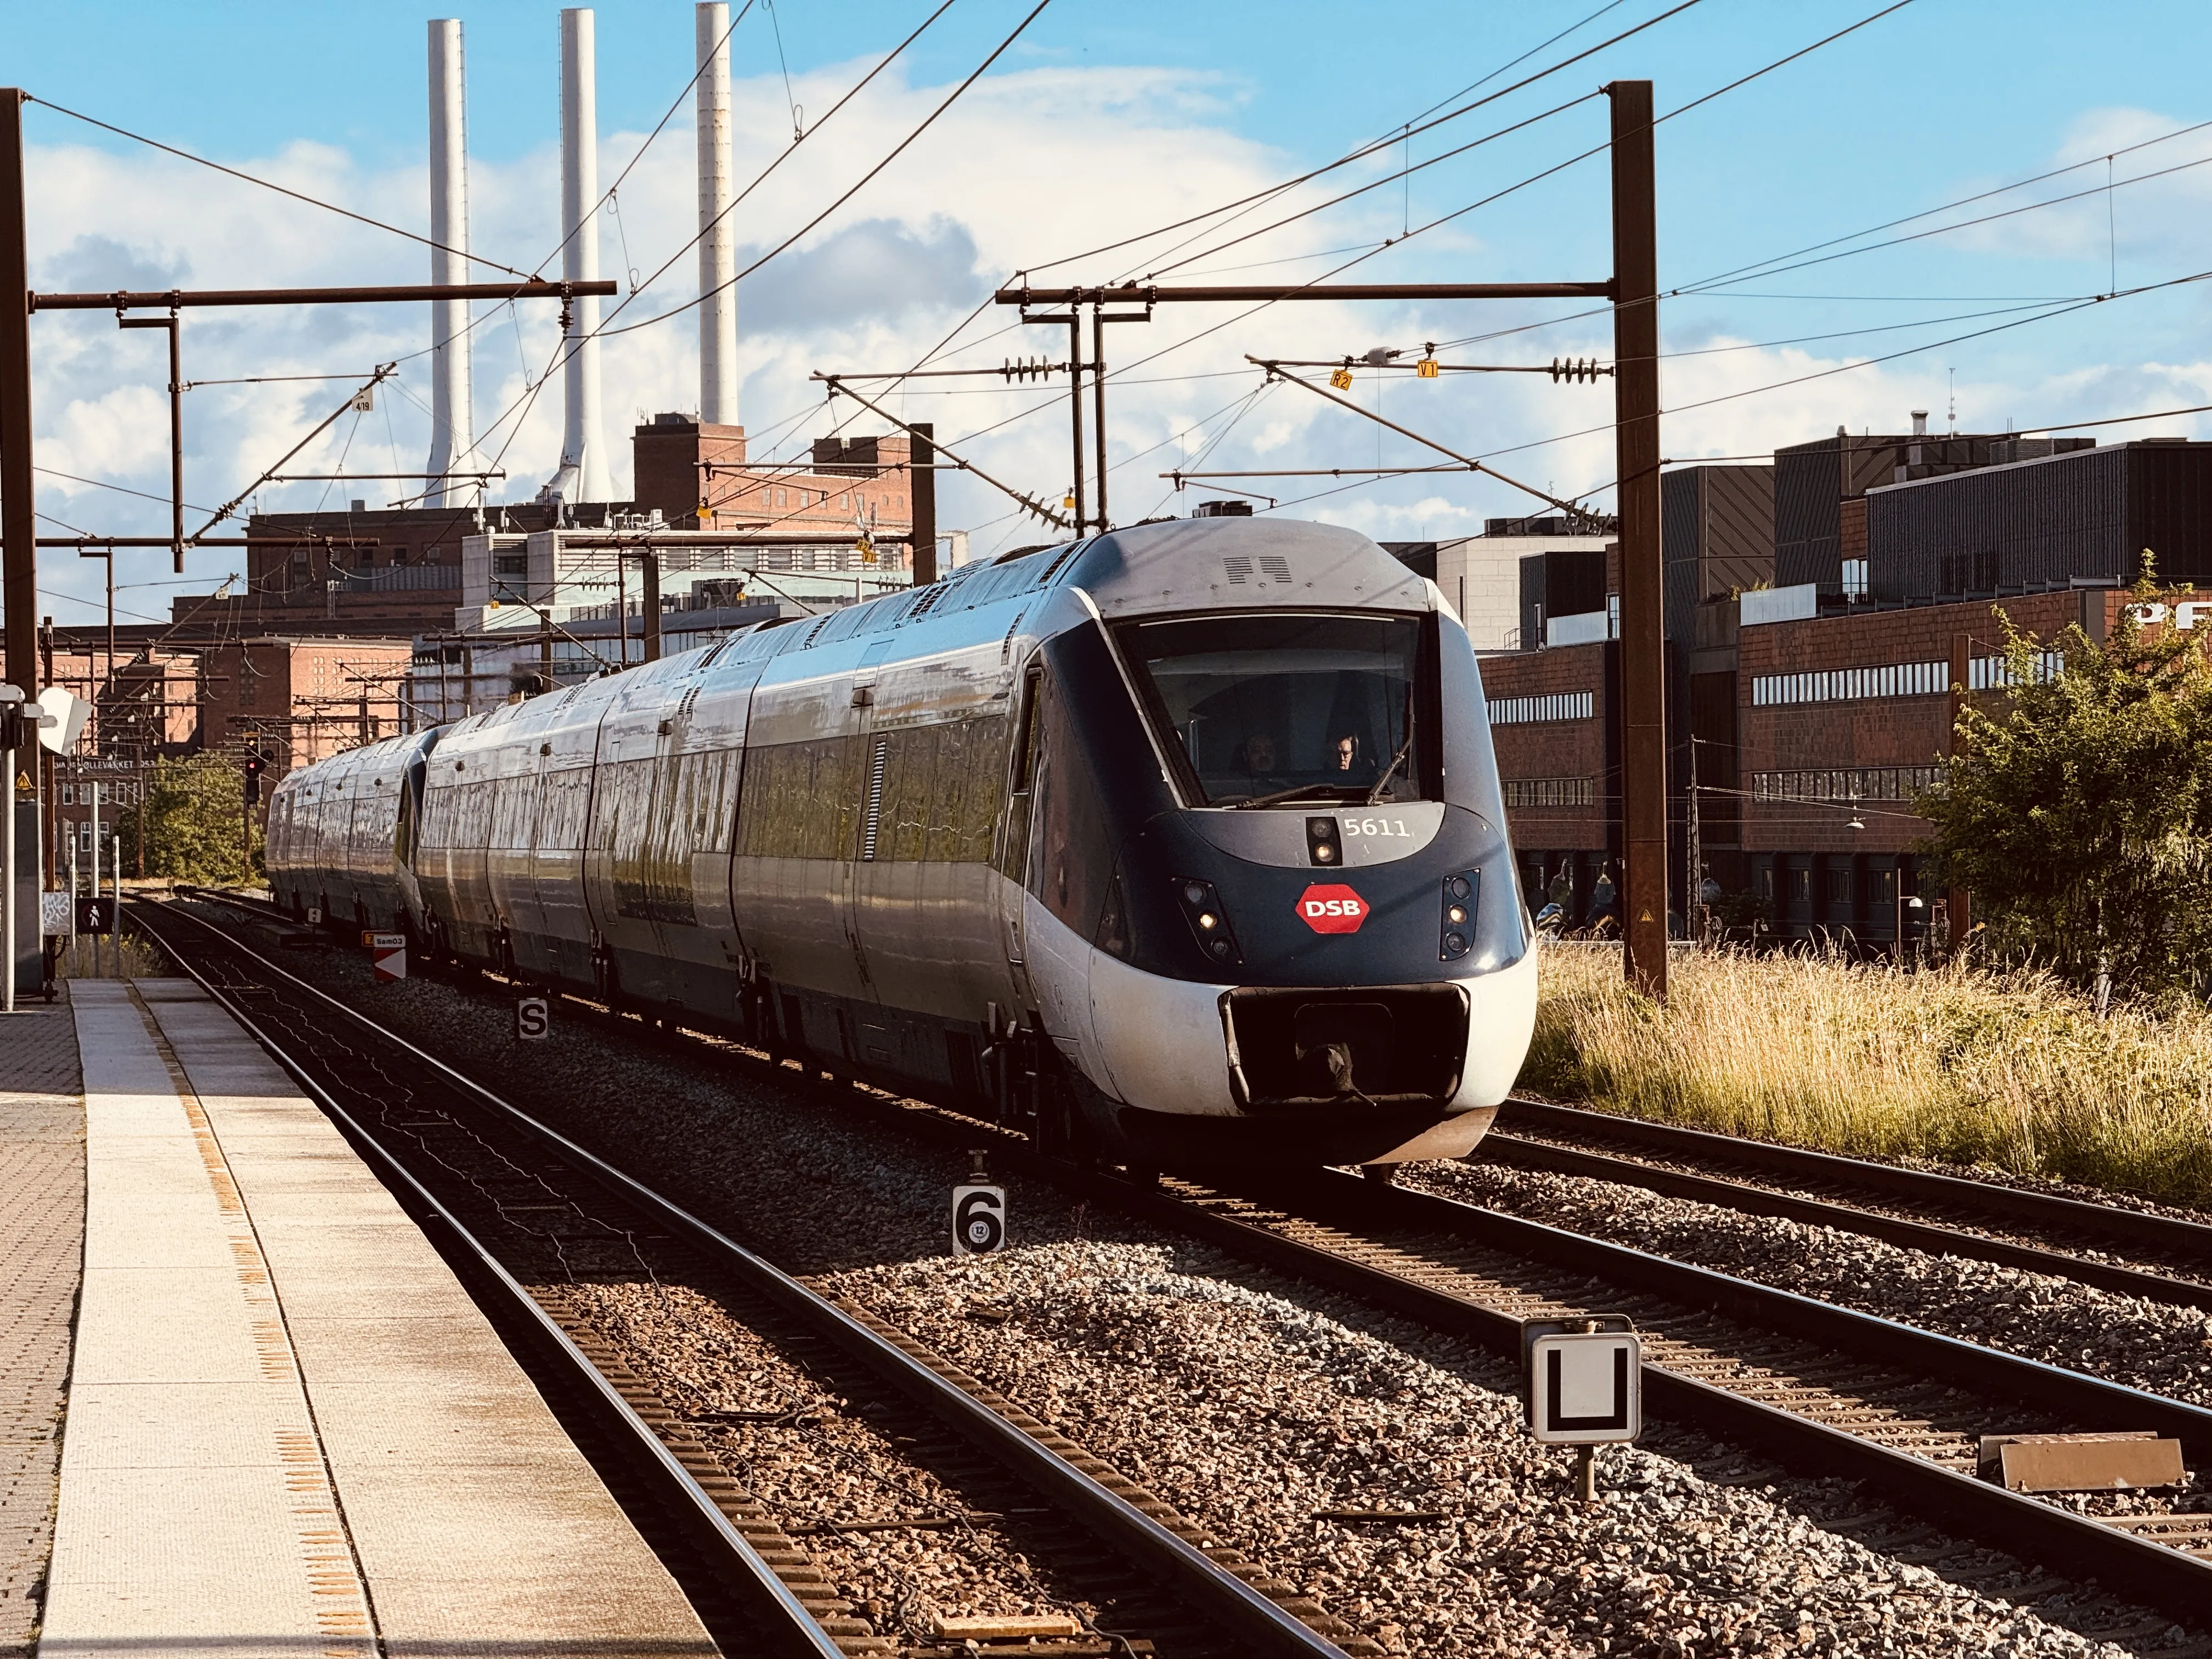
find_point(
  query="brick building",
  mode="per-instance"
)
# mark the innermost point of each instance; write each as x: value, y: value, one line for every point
x: 683, y: 466
x: 1816, y: 709
x: 300, y: 700
x: 398, y: 572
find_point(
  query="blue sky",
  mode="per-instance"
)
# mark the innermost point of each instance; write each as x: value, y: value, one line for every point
x: 1106, y: 119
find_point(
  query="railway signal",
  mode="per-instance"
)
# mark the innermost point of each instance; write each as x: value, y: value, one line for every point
x: 979, y: 1214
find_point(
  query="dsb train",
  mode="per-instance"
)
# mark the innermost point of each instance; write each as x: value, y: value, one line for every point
x: 1181, y: 840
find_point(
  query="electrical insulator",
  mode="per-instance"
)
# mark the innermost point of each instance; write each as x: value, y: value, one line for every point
x: 1341, y: 379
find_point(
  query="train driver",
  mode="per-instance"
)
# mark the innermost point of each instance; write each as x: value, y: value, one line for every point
x: 1260, y: 758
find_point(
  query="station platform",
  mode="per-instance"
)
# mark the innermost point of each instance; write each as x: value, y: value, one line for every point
x: 289, y: 1429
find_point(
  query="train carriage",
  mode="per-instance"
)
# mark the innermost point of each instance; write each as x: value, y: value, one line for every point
x: 1188, y: 836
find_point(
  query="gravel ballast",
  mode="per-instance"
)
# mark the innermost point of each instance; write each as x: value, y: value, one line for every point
x: 1257, y: 1414
x: 2157, y: 1346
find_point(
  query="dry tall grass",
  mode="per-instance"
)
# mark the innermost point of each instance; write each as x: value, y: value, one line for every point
x: 1949, y: 1063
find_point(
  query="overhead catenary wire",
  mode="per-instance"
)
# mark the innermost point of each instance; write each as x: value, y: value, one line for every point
x: 266, y: 183
x: 1731, y: 85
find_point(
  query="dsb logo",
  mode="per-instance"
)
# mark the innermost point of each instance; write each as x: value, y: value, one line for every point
x: 1332, y: 908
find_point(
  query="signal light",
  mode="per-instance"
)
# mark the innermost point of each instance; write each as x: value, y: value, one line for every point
x: 1209, y: 922
x: 1458, y: 926
x: 1341, y: 379
x: 1323, y: 845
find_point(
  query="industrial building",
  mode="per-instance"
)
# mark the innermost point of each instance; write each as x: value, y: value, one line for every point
x: 1819, y: 614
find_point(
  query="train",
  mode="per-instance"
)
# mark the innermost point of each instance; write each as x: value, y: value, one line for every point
x: 1178, y: 841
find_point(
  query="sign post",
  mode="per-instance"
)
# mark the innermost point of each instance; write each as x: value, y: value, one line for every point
x: 1582, y: 1386
x: 387, y: 956
x: 979, y: 1213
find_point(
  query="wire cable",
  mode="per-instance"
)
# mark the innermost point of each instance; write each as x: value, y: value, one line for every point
x: 282, y: 190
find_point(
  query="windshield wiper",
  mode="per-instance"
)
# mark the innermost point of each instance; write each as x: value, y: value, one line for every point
x: 1398, y: 759
x: 1333, y: 791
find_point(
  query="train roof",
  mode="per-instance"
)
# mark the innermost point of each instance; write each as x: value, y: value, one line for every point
x: 1178, y: 565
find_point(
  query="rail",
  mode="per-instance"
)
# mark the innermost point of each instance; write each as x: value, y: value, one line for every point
x: 1215, y: 1593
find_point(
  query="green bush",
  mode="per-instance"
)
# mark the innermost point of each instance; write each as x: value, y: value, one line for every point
x: 2080, y: 815
x: 192, y: 822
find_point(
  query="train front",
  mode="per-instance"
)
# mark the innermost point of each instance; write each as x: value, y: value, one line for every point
x: 1264, y: 782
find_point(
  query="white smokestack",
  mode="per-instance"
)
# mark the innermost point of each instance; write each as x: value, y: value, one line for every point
x: 583, y: 474
x: 717, y: 244
x: 453, y: 424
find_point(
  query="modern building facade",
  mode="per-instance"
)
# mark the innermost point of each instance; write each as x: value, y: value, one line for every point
x: 1811, y: 682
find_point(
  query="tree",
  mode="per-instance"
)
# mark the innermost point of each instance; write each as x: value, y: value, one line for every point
x: 2080, y: 816
x: 191, y: 816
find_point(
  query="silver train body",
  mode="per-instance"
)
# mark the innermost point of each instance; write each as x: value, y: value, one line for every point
x: 1186, y: 837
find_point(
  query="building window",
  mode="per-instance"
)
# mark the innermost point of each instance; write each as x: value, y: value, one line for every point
x: 1551, y: 792
x: 1801, y: 887
x: 1839, y: 883
x: 1848, y: 783
x: 1882, y: 887
x: 510, y: 564
x: 1897, y: 679
x: 1531, y: 711
x: 1766, y: 883
x: 1854, y: 579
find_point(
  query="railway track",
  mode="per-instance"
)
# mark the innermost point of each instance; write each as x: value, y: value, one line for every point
x: 1821, y: 1389
x: 2038, y: 1232
x: 537, y: 1219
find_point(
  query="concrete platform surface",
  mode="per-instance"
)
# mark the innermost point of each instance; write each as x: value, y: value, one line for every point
x: 290, y: 1432
x: 41, y: 1251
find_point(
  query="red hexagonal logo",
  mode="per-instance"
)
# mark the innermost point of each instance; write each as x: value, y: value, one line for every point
x: 1332, y: 909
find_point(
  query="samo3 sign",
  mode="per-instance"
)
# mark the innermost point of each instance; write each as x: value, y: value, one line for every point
x: 1332, y: 908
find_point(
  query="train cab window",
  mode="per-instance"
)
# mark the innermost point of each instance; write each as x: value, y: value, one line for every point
x: 1265, y: 709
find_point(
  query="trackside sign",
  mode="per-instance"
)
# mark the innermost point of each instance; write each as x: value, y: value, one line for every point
x: 1332, y: 908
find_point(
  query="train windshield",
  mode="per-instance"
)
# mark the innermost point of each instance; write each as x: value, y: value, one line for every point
x: 1267, y: 710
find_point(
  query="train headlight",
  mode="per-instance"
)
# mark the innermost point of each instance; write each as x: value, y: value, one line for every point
x: 1459, y: 903
x: 1323, y: 844
x: 1209, y: 922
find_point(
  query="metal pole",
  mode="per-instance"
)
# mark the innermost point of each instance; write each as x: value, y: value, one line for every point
x: 176, y: 429
x: 176, y: 449
x: 1958, y: 906
x: 1643, y: 623
x: 1075, y: 405
x: 115, y: 898
x: 19, y: 585
x: 921, y: 500
x: 8, y: 897
x: 649, y: 602
x: 133, y: 299
x: 95, y: 872
x: 622, y: 604
x: 1693, y: 895
x: 1098, y: 392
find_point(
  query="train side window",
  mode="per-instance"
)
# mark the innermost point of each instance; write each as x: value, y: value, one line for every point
x: 1014, y: 844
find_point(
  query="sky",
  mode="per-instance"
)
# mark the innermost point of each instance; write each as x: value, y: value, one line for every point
x: 1101, y: 123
